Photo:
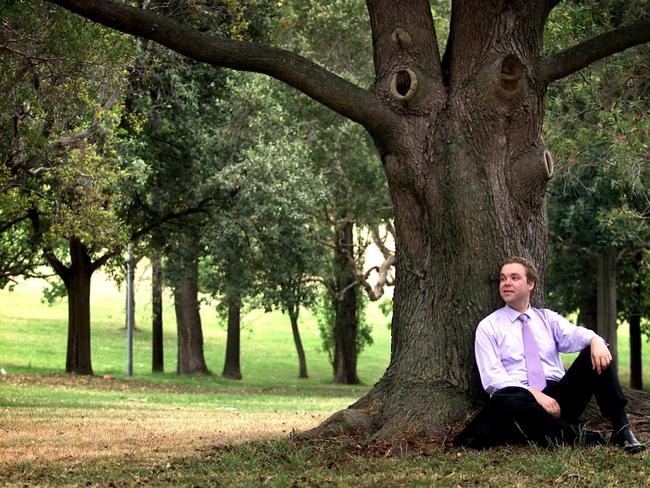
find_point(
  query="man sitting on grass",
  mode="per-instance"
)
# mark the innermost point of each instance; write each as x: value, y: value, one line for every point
x: 532, y: 399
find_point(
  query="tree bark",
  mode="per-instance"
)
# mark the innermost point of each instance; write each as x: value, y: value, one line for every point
x: 607, y: 300
x: 293, y: 311
x: 231, y: 368
x: 188, y: 320
x: 345, y: 307
x: 78, y: 358
x: 636, y: 366
x: 588, y: 314
x: 157, y: 352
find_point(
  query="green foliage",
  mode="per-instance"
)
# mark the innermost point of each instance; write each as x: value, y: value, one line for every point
x: 323, y: 310
x: 597, y: 130
x: 60, y: 105
x: 386, y: 307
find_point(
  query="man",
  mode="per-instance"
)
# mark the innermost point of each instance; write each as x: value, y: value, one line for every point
x: 532, y: 399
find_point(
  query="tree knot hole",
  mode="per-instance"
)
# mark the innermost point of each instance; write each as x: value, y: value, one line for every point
x: 511, y: 71
x: 548, y: 163
x: 401, y: 37
x: 404, y: 84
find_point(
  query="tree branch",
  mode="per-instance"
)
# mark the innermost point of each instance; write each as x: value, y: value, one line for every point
x: 574, y: 59
x: 351, y: 101
x: 6, y: 226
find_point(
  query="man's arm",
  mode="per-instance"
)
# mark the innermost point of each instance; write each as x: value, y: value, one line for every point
x: 548, y: 403
x: 573, y: 338
x: 601, y: 357
x: 493, y: 374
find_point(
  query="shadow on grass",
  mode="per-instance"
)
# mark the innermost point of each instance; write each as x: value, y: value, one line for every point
x: 344, y: 462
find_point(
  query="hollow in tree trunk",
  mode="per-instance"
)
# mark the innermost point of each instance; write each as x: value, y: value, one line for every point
x: 231, y: 368
x: 157, y: 353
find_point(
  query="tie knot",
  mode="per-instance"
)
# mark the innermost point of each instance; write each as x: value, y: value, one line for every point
x: 524, y: 318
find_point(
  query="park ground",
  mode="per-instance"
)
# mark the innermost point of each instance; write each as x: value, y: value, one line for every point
x: 159, y: 430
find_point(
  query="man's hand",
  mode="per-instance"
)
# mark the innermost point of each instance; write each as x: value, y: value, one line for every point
x: 600, y: 355
x: 548, y: 403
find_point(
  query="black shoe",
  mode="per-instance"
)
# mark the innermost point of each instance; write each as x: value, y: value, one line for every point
x: 626, y: 440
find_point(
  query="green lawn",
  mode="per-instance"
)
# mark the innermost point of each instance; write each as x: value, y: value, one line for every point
x: 164, y: 429
x: 33, y: 339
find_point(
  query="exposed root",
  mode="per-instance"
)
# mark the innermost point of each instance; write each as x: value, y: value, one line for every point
x: 399, y: 415
x: 344, y: 422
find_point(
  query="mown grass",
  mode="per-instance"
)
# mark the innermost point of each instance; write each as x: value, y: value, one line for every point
x: 282, y: 463
x: 33, y: 340
x: 164, y: 429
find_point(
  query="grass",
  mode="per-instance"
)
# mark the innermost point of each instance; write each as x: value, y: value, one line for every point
x: 162, y: 429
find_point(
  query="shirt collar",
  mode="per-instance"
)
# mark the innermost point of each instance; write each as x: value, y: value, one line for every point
x: 513, y: 314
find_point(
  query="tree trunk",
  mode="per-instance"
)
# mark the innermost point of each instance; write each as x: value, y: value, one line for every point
x: 467, y: 172
x: 188, y: 320
x: 293, y: 311
x: 231, y: 367
x: 157, y: 356
x: 345, y: 307
x: 78, y: 357
x: 588, y: 314
x: 607, y: 300
x: 636, y: 366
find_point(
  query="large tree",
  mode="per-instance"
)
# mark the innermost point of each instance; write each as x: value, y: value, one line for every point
x: 460, y: 139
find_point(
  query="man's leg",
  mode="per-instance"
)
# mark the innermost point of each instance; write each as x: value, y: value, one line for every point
x: 513, y: 416
x: 581, y: 382
x: 576, y: 388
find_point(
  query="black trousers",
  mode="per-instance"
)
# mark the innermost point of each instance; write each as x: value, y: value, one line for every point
x: 513, y: 416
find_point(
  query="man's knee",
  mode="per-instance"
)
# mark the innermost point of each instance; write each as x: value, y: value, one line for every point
x: 512, y: 399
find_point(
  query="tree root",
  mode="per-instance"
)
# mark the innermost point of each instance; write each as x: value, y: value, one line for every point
x: 436, y: 414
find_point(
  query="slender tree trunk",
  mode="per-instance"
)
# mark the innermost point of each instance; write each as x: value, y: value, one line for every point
x: 636, y: 366
x: 607, y: 300
x: 157, y: 356
x: 345, y: 306
x: 294, y: 311
x: 188, y: 320
x: 78, y: 357
x: 231, y: 368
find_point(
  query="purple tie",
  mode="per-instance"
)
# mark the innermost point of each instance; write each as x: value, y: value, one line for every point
x: 536, y: 378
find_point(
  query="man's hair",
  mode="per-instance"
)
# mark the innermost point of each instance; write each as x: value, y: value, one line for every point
x: 531, y: 272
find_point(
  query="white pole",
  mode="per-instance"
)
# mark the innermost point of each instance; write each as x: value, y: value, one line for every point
x: 129, y: 312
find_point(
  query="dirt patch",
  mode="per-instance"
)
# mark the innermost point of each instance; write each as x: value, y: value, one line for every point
x: 74, y: 435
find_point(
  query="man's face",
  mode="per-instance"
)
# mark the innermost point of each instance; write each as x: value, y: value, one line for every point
x: 514, y: 288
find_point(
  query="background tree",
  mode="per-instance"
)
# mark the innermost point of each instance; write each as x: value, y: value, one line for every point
x: 600, y: 192
x: 459, y: 136
x: 61, y: 106
x: 357, y: 190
